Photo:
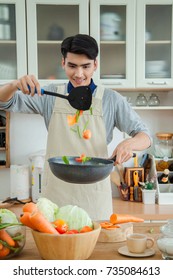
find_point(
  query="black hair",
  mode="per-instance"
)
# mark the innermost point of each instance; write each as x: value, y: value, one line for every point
x: 80, y: 44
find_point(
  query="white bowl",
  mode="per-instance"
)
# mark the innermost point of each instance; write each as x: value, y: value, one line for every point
x: 155, y: 66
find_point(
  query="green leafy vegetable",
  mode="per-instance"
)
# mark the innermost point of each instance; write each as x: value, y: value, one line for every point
x: 47, y: 208
x: 75, y: 217
x: 7, y: 216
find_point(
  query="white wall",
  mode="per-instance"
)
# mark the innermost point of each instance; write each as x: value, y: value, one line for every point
x: 28, y: 135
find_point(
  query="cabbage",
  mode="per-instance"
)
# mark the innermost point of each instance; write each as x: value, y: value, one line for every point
x: 47, y: 208
x: 75, y: 217
x: 7, y: 216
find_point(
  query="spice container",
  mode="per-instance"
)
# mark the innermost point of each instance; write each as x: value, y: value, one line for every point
x: 165, y: 241
x: 141, y: 100
x: 153, y: 100
x: 163, y: 145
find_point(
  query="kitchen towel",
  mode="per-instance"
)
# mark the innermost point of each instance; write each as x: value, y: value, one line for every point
x: 20, y: 181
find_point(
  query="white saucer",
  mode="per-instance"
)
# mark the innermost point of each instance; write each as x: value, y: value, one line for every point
x: 124, y: 251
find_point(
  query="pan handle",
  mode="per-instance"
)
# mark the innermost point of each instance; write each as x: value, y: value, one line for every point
x: 114, y: 158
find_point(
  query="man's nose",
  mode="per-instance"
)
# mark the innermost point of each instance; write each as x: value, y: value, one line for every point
x: 79, y: 72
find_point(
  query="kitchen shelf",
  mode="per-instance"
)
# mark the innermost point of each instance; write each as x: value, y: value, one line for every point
x: 153, y: 107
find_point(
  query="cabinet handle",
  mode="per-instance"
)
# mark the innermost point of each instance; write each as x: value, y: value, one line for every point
x: 117, y: 84
x: 157, y: 83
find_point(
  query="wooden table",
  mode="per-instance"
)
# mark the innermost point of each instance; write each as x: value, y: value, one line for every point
x: 154, y: 215
x: 102, y: 251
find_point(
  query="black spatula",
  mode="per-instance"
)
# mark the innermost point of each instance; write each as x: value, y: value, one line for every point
x: 79, y: 98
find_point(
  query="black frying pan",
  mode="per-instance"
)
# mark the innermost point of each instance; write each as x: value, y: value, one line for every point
x: 79, y: 98
x: 92, y: 171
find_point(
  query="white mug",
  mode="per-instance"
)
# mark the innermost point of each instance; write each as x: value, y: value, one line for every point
x: 138, y: 243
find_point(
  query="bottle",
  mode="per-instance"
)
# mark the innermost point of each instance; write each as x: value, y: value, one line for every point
x: 165, y: 241
x: 141, y: 100
x: 163, y: 178
x: 163, y: 145
x: 153, y: 100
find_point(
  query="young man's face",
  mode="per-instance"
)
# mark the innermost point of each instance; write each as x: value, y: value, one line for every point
x: 79, y: 69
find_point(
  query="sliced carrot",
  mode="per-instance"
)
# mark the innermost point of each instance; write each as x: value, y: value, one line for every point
x: 124, y: 218
x: 41, y: 223
x: 29, y: 207
x: 71, y: 120
x: 25, y: 220
x: 113, y: 227
x: 105, y: 224
x: 4, y: 252
x: 6, y: 237
x: 1, y: 246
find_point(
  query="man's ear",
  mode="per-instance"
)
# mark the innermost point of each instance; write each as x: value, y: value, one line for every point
x: 63, y: 62
x: 95, y: 64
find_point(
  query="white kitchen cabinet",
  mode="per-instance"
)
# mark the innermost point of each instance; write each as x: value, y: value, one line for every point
x: 13, y: 58
x: 139, y: 52
x: 48, y: 23
x: 113, y: 26
x: 154, y: 44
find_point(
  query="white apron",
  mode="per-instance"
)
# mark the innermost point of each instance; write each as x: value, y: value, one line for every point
x: 95, y: 198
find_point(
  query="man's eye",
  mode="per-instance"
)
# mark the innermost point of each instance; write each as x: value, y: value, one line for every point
x: 86, y: 66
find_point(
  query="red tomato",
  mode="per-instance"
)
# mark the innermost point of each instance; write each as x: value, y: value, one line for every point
x: 85, y: 229
x: 72, y: 231
x: 61, y: 226
x: 80, y: 159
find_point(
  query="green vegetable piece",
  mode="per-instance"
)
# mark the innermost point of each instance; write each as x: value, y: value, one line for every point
x: 151, y: 230
x: 65, y: 159
x: 4, y: 225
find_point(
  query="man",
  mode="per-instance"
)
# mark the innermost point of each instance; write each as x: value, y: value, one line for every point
x: 109, y: 110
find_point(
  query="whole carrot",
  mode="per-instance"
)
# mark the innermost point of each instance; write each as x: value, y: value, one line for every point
x: 4, y: 252
x: 124, y: 218
x: 6, y: 237
x: 25, y: 219
x: 29, y: 207
x: 41, y: 223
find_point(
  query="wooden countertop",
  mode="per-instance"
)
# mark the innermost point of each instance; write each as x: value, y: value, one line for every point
x: 154, y: 216
x: 102, y: 251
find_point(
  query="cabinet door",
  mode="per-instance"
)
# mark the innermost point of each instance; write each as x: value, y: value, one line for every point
x: 48, y: 23
x: 113, y: 26
x: 12, y: 39
x: 154, y: 43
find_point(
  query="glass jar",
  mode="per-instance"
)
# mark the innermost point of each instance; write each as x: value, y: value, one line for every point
x: 141, y: 100
x: 153, y: 100
x: 163, y: 145
x: 165, y: 241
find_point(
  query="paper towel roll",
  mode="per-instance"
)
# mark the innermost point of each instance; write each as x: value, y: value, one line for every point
x: 20, y: 181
